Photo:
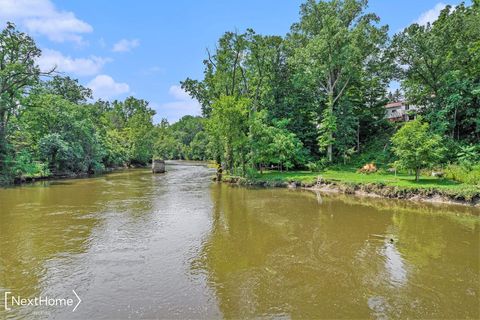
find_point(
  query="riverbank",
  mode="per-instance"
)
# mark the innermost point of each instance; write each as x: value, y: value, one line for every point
x: 428, y: 189
x: 62, y: 176
x: 80, y: 175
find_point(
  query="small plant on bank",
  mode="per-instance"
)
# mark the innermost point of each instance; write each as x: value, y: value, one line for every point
x: 318, y: 166
x: 464, y: 174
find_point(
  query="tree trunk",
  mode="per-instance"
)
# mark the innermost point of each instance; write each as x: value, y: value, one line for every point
x: 229, y: 159
x: 244, y: 167
x: 329, y: 151
x: 3, y: 149
x: 3, y: 142
x: 417, y: 174
x: 454, y: 123
x: 358, y: 137
x: 330, y: 133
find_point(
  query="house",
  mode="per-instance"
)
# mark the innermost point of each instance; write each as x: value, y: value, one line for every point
x: 400, y: 111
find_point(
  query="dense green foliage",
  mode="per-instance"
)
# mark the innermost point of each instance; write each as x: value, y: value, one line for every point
x: 415, y: 147
x: 312, y: 99
x: 324, y: 86
x: 18, y: 71
x: 52, y: 135
x: 443, y: 72
x: 49, y: 127
x: 185, y: 139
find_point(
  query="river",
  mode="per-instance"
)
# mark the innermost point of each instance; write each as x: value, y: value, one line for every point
x: 136, y: 245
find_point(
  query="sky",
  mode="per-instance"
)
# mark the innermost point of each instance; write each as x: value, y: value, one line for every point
x: 145, y: 48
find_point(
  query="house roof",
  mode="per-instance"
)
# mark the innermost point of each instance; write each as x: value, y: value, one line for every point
x: 394, y: 104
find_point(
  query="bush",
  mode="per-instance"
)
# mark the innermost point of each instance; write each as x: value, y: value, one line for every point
x: 468, y: 155
x: 251, y: 173
x: 464, y: 174
x: 25, y: 166
x: 318, y: 166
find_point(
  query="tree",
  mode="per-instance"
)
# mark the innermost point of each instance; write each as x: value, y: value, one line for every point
x: 71, y: 130
x: 438, y: 65
x: 416, y: 147
x: 56, y: 152
x: 186, y: 128
x: 66, y: 87
x: 287, y: 149
x: 166, y: 146
x: 133, y: 118
x: 395, y: 96
x: 197, y: 150
x: 274, y: 144
x: 228, y: 126
x: 334, y: 40
x: 242, y: 65
x: 18, y: 71
x: 224, y: 73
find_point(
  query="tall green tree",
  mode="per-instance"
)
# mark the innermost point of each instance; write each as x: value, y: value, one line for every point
x: 66, y: 87
x: 274, y: 144
x: 228, y: 125
x: 243, y: 64
x: 18, y: 72
x: 334, y: 40
x: 438, y: 66
x: 59, y: 132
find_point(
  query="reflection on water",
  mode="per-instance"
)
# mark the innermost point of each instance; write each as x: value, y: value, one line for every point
x: 281, y: 252
x: 394, y: 264
x: 123, y: 241
x: 137, y: 245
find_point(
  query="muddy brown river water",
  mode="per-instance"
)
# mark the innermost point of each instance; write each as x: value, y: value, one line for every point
x: 175, y: 246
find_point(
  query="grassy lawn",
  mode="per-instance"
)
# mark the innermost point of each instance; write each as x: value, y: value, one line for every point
x: 400, y: 180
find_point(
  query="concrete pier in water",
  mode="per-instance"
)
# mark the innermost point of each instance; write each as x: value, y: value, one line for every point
x: 158, y: 166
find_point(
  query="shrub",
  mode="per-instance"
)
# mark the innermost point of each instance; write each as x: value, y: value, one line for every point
x: 25, y: 166
x: 317, y: 166
x: 464, y: 174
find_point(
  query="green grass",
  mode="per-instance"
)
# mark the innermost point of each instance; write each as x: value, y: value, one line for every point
x: 349, y: 176
x: 352, y: 177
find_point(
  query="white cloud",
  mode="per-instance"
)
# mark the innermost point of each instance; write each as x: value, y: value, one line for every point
x: 78, y: 66
x: 182, y: 105
x: 104, y: 87
x: 179, y: 94
x: 125, y: 45
x: 41, y: 17
x: 431, y: 15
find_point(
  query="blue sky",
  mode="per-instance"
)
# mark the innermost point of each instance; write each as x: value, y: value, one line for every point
x: 144, y: 48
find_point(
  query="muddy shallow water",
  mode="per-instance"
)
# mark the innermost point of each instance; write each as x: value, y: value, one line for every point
x: 137, y: 245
